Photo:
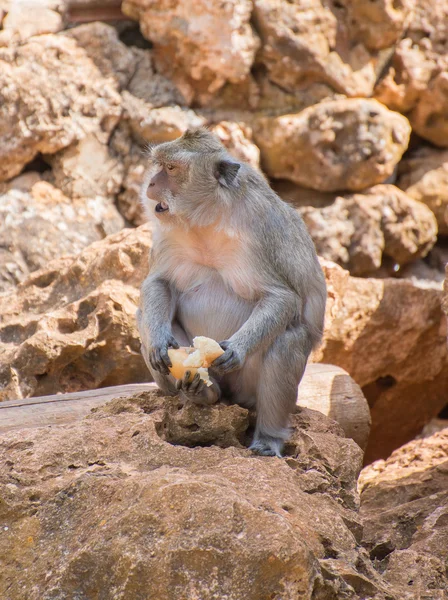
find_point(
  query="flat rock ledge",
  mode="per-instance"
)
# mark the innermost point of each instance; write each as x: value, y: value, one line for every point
x: 149, y: 498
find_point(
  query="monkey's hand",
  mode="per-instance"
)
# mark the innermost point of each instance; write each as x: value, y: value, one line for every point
x: 232, y: 359
x: 196, y: 390
x: 158, y: 352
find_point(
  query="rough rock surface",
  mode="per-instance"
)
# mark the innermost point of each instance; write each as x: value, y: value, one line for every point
x: 51, y: 95
x: 199, y: 44
x: 26, y: 18
x: 39, y: 223
x: 404, y: 505
x: 340, y: 47
x: 416, y: 81
x: 391, y: 337
x: 355, y: 231
x: 121, y: 502
x: 345, y: 144
x: 71, y: 326
x: 424, y: 176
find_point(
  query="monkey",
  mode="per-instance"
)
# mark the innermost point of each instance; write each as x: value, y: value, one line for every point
x: 231, y: 261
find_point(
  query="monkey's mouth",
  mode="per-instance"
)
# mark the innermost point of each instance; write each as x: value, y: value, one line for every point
x: 161, y: 207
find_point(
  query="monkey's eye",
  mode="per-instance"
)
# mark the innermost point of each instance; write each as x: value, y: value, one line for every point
x: 170, y: 167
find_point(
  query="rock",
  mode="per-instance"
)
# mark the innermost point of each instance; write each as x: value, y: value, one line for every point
x: 404, y: 505
x: 27, y: 18
x: 357, y: 230
x: 39, y: 223
x: 424, y: 176
x: 87, y: 169
x: 416, y: 81
x: 51, y: 95
x: 157, y: 125
x: 71, y: 325
x: 336, y: 145
x: 309, y: 46
x: 391, y: 337
x: 113, y: 59
x: 445, y: 289
x: 237, y: 138
x: 198, y: 44
x: 111, y: 505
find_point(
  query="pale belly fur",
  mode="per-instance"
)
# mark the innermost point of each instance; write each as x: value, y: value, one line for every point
x: 212, y: 309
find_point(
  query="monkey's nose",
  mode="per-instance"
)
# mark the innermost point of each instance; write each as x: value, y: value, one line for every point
x: 151, y: 185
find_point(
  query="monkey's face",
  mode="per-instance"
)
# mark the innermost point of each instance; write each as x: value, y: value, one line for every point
x: 186, y: 179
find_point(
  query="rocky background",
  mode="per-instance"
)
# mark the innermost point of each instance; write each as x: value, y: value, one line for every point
x: 344, y: 105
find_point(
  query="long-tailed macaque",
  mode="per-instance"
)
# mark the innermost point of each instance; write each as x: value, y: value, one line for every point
x: 233, y: 262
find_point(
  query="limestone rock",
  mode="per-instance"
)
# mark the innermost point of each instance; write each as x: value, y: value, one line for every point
x: 336, y: 145
x: 424, y: 176
x: 391, y: 337
x: 27, y: 18
x: 405, y: 516
x: 199, y: 44
x: 51, y: 95
x: 157, y: 125
x: 416, y: 81
x: 111, y: 505
x: 357, y: 230
x: 39, y: 223
x: 71, y: 326
x: 314, y: 45
x: 87, y: 169
x: 237, y: 138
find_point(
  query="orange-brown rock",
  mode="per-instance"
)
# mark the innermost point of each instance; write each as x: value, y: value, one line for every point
x: 404, y: 505
x: 149, y: 498
x: 416, y: 80
x: 51, y: 95
x: 199, y: 44
x: 347, y: 144
x: 38, y: 223
x: 358, y: 231
x: 424, y: 176
x: 340, y: 47
x: 391, y: 337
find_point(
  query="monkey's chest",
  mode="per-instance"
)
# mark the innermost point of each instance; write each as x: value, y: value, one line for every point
x: 212, y: 308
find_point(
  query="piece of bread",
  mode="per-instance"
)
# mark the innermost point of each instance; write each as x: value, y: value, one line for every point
x: 195, y: 359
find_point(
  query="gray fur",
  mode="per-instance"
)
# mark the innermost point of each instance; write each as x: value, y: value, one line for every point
x: 233, y: 262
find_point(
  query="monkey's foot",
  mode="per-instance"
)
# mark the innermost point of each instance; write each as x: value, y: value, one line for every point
x: 265, y: 445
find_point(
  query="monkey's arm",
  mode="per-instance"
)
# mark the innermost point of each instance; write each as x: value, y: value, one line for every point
x: 154, y: 321
x: 270, y: 316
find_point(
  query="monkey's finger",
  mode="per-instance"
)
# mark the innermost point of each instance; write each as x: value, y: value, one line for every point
x: 185, y: 383
x: 218, y: 362
x: 195, y: 384
x: 165, y: 358
x: 178, y: 384
x: 161, y: 365
x: 173, y: 343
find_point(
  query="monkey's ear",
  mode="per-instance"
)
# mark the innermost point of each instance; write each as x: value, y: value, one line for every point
x: 226, y: 171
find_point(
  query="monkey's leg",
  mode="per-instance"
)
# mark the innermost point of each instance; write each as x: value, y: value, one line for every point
x: 280, y: 374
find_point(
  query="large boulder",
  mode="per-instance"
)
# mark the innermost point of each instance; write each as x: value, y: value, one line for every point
x: 391, y: 337
x: 416, y: 80
x: 404, y: 506
x: 151, y: 498
x: 340, y: 47
x: 51, y: 95
x: 199, y: 44
x: 38, y: 223
x: 347, y: 144
x: 357, y: 231
x: 424, y: 176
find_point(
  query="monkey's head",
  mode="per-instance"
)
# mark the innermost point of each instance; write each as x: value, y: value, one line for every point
x: 191, y: 179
